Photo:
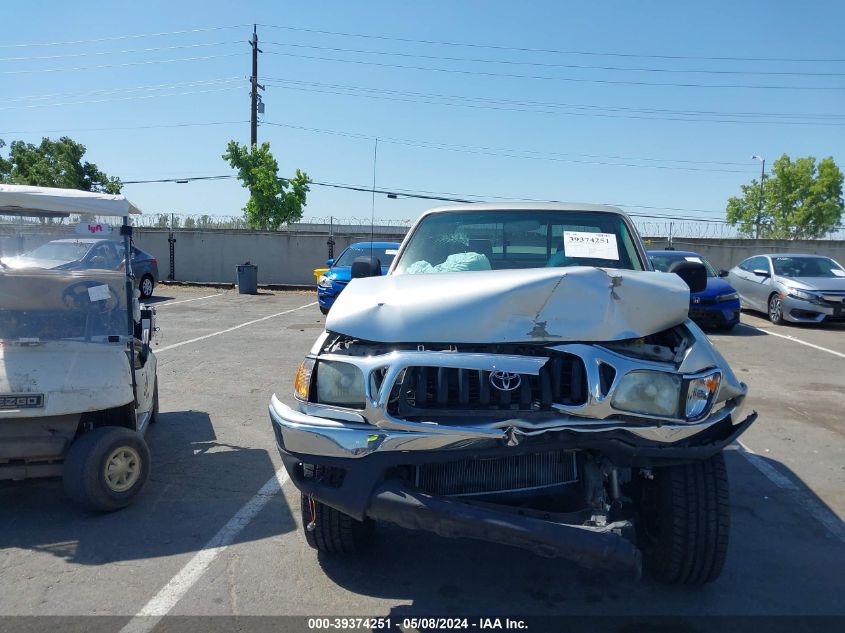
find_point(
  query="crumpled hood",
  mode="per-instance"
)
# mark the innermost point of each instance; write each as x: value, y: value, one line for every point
x: 511, y: 306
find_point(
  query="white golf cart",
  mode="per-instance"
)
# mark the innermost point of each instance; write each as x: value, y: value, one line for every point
x: 78, y: 384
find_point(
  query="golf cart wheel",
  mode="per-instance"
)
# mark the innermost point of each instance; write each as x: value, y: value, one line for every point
x: 329, y: 530
x: 105, y: 468
x: 324, y: 310
x: 684, y: 522
x: 776, y: 309
x: 146, y: 286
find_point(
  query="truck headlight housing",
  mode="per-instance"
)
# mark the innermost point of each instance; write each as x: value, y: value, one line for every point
x: 302, y: 380
x: 701, y: 392
x: 648, y: 392
x: 340, y: 384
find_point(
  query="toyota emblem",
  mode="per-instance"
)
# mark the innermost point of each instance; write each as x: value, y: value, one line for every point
x: 505, y: 380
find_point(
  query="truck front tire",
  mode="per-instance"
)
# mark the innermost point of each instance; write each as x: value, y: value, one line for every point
x: 329, y: 530
x: 106, y: 468
x: 684, y: 521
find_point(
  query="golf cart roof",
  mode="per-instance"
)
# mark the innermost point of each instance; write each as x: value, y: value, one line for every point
x: 60, y: 203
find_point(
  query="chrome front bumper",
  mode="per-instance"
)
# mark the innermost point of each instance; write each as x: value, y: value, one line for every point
x: 305, y: 434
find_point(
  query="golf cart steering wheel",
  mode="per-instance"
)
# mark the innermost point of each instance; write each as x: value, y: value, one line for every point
x: 76, y: 297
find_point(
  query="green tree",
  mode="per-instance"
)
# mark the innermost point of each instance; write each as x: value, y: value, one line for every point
x: 800, y: 200
x: 54, y: 164
x: 273, y: 201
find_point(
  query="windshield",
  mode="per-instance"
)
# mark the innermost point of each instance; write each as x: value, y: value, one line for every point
x: 50, y: 305
x: 807, y: 267
x: 60, y: 251
x: 664, y: 261
x: 498, y: 240
x: 383, y: 254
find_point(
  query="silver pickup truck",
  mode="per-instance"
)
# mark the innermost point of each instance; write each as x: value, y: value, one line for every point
x: 520, y: 376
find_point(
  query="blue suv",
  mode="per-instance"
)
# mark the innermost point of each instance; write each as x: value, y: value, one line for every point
x: 334, y: 280
x: 715, y: 307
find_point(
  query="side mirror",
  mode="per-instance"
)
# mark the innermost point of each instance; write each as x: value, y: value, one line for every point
x: 366, y: 267
x: 693, y: 273
x: 760, y: 272
x: 724, y: 273
x: 330, y: 261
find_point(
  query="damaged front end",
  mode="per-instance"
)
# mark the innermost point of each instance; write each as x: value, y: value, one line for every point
x: 539, y: 445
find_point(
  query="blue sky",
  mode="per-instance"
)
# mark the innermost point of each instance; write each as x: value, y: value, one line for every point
x: 492, y: 140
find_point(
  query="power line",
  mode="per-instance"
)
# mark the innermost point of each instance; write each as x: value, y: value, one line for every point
x: 115, y: 38
x: 528, y: 108
x: 116, y: 99
x: 123, y: 65
x: 559, y: 65
x: 147, y: 87
x: 550, y: 50
x: 121, y: 52
x: 551, y: 78
x: 503, y: 152
x: 426, y: 195
x: 123, y: 128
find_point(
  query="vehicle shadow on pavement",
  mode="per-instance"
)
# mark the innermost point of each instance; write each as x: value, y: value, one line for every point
x: 742, y: 330
x: 778, y: 563
x: 196, y: 486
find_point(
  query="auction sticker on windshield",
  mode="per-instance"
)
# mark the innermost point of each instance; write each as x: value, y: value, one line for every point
x: 590, y: 245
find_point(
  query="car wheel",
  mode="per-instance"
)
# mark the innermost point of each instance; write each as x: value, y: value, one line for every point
x: 324, y: 310
x: 146, y: 286
x: 106, y: 468
x: 776, y: 309
x: 684, y: 521
x: 329, y: 530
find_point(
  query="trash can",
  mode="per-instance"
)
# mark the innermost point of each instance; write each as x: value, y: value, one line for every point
x: 318, y: 272
x: 247, y: 279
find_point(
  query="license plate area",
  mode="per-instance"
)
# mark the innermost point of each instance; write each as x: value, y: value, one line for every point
x: 14, y: 401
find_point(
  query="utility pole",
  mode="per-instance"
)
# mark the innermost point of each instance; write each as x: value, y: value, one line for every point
x: 760, y: 205
x: 255, y: 99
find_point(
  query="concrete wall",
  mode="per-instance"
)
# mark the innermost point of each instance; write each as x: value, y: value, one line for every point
x: 289, y: 257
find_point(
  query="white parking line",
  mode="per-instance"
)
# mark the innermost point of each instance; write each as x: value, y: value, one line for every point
x: 159, y: 350
x: 164, y: 601
x: 173, y: 303
x: 795, y: 340
x: 816, y: 509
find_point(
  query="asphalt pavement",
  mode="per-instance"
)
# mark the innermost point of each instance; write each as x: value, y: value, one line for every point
x: 212, y: 534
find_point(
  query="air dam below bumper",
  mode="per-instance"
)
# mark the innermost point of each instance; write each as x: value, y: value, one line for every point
x: 594, y: 547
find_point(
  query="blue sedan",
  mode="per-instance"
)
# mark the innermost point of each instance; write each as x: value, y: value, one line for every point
x: 339, y: 274
x: 718, y: 305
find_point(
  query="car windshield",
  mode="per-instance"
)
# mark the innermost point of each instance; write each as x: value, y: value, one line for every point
x: 664, y: 261
x: 383, y: 254
x: 496, y: 240
x: 807, y: 267
x: 60, y: 251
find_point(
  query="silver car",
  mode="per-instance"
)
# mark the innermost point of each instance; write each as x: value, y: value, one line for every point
x: 789, y: 287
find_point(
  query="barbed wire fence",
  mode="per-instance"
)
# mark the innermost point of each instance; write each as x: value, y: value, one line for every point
x: 654, y: 228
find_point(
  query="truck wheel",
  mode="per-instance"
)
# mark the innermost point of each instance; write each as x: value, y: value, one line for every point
x: 105, y: 468
x: 684, y: 521
x: 333, y: 531
x: 154, y: 416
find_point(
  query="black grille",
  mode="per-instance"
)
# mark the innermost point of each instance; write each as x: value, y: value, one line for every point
x: 497, y: 474
x: 561, y: 380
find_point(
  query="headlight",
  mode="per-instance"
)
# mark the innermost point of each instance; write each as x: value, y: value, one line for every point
x: 302, y: 381
x: 700, y: 395
x: 728, y: 297
x: 340, y: 384
x: 804, y: 295
x: 648, y: 392
x: 325, y: 282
